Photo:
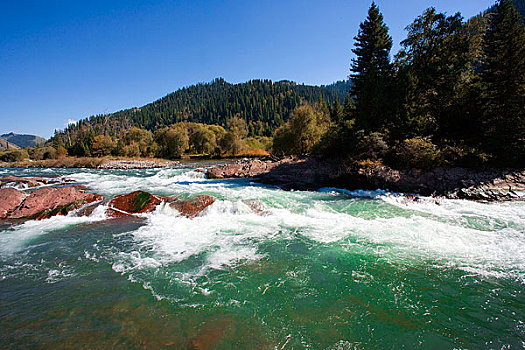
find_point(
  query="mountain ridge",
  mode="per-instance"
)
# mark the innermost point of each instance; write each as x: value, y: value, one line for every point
x: 23, y: 140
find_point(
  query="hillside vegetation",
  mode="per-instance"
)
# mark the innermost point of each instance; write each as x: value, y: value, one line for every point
x: 262, y: 104
x: 454, y: 95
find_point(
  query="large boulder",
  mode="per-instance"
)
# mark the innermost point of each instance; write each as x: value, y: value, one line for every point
x: 244, y: 168
x: 10, y: 199
x: 190, y: 208
x: 140, y: 202
x: 50, y: 201
x: 133, y: 203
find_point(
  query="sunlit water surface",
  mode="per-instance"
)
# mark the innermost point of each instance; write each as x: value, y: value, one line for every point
x: 263, y: 268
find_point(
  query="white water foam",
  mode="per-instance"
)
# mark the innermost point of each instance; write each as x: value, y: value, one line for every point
x: 229, y: 233
x: 481, y: 238
x: 160, y: 181
x: 17, y: 238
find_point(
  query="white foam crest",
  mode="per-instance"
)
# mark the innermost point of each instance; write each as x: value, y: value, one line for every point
x: 112, y: 183
x: 504, y: 212
x: 415, y: 238
x: 17, y: 238
x: 17, y: 185
x: 223, y: 236
x: 229, y: 232
x: 63, y: 271
x: 354, y: 193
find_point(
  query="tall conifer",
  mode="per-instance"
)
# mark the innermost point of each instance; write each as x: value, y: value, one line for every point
x: 371, y: 71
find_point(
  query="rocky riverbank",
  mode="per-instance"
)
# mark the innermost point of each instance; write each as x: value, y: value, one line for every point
x: 314, y: 173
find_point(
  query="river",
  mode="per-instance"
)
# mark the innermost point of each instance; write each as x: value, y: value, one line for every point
x: 263, y: 268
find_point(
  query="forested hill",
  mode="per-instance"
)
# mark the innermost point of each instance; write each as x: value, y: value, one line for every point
x: 263, y: 104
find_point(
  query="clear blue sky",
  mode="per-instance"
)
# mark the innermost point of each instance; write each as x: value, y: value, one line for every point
x: 62, y: 60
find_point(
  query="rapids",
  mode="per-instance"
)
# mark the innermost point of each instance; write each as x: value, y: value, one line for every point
x: 264, y: 268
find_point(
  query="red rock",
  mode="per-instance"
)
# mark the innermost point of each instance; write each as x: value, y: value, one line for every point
x: 49, y: 201
x: 10, y: 199
x: 192, y: 207
x: 133, y: 203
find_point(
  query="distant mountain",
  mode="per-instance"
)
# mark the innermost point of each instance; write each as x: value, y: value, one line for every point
x: 23, y: 140
x: 263, y: 104
x: 4, y: 145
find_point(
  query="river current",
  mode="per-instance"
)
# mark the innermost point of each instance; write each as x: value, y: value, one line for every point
x: 263, y: 268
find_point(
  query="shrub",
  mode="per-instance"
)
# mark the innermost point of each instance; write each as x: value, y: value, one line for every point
x: 16, y: 155
x: 172, y: 141
x: 302, y: 131
x: 416, y: 153
x: 371, y: 146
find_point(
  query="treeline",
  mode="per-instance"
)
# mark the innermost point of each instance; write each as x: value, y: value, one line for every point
x: 174, y: 141
x: 453, y: 95
x: 262, y: 104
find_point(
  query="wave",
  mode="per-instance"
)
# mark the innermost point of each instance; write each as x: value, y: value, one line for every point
x: 231, y: 233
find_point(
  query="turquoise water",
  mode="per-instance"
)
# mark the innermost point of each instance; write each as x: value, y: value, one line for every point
x: 264, y: 269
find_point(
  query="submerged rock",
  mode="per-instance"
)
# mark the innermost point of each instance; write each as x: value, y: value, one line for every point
x: 192, y: 207
x: 49, y: 201
x: 10, y: 199
x: 257, y: 207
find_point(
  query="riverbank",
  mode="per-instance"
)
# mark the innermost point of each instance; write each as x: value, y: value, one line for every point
x: 314, y: 173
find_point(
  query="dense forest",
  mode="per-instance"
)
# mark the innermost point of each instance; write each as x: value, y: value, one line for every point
x: 263, y: 104
x: 454, y: 95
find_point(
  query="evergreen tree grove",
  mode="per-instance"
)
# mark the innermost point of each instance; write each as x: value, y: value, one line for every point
x: 503, y: 85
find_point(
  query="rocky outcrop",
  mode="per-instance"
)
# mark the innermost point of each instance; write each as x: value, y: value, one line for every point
x: 288, y: 173
x: 10, y: 199
x: 190, y: 208
x: 486, y: 184
x: 143, y: 202
x: 50, y: 201
x: 313, y: 173
x: 133, y: 203
x: 244, y: 168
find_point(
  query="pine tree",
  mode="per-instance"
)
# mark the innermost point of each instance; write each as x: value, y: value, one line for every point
x: 336, y: 112
x: 503, y: 85
x: 371, y: 71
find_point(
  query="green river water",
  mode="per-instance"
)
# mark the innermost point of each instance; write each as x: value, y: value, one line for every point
x: 264, y: 269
